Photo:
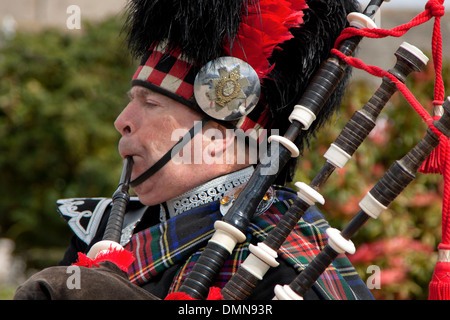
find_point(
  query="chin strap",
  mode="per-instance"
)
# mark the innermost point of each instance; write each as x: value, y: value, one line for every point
x: 173, y: 151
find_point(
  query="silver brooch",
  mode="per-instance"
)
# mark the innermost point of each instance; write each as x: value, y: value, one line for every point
x: 227, y: 88
x: 229, y: 197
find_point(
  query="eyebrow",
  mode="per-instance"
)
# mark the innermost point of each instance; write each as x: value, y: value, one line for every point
x: 129, y: 95
x: 142, y: 92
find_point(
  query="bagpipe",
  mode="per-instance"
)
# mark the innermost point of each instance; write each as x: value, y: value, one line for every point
x: 232, y: 228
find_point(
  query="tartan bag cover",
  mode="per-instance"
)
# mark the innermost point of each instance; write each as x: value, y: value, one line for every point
x: 180, y: 241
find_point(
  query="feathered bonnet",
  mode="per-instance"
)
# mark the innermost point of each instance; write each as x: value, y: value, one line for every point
x: 279, y: 45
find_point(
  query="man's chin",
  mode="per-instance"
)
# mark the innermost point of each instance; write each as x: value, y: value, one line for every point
x: 147, y: 198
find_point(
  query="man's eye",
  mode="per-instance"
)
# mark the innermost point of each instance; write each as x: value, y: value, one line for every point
x: 151, y: 103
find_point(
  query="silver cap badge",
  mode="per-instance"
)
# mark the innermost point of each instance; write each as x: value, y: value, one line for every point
x: 227, y: 88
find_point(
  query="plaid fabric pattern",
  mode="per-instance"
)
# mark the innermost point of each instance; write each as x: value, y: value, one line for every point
x: 168, y: 73
x: 181, y: 239
x: 302, y: 245
x: 159, y: 247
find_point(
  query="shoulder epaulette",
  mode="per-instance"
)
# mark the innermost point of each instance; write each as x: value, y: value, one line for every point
x: 83, y: 215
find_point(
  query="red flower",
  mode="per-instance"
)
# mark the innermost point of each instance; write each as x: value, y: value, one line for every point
x: 388, y: 248
x: 425, y: 199
x: 394, y: 275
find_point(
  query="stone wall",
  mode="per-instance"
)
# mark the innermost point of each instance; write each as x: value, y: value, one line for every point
x: 31, y: 14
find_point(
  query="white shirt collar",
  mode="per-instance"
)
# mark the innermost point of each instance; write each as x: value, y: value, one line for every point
x: 210, y: 191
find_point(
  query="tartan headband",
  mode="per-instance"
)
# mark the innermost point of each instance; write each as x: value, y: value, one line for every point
x: 168, y: 73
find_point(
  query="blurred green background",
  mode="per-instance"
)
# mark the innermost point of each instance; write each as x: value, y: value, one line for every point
x: 59, y: 96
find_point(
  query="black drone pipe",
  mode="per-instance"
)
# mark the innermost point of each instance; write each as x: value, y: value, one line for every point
x: 120, y: 200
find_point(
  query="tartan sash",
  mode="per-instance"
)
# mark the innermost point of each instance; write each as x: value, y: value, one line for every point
x: 180, y: 240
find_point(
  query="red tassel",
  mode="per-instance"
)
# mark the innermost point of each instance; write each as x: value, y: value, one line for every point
x: 434, y: 164
x: 85, y: 261
x: 178, y: 296
x: 214, y: 294
x: 120, y: 257
x: 440, y: 283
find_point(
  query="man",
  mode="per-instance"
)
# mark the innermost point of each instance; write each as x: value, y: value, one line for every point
x: 180, y: 195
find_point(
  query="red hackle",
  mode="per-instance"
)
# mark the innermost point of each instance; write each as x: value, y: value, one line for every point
x: 265, y: 25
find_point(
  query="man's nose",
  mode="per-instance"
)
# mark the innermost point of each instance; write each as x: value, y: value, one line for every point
x: 124, y: 122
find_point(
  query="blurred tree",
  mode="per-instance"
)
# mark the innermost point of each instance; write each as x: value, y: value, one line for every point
x: 59, y: 96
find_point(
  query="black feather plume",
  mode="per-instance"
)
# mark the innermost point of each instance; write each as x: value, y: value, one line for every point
x: 302, y: 56
x: 297, y: 63
x: 197, y: 27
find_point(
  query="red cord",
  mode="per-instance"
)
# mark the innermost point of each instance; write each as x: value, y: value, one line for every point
x: 446, y: 197
x: 378, y: 72
x: 433, y: 8
x: 436, y: 9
